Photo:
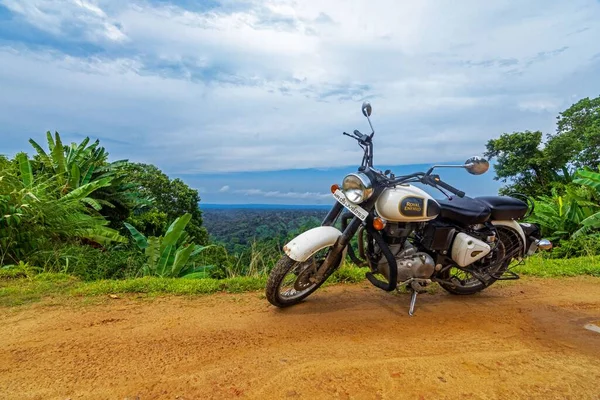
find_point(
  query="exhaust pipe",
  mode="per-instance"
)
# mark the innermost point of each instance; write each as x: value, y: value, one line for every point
x: 544, y: 244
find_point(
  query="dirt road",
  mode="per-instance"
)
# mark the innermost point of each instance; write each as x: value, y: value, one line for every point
x: 520, y: 340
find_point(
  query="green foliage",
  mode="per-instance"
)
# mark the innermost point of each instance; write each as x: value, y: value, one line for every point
x: 81, y: 166
x: 34, y: 215
x: 90, y: 263
x: 168, y: 255
x: 591, y: 180
x: 520, y: 159
x: 170, y: 197
x: 535, y: 169
x: 562, y: 216
x: 578, y: 246
x: 581, y: 124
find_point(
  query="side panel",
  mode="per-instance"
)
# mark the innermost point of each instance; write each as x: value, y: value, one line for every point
x: 514, y: 225
x: 467, y: 249
x: 308, y: 243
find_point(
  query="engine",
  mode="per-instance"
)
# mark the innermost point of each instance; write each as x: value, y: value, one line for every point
x: 411, y: 263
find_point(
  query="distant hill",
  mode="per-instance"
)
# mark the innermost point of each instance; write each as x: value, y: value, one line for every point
x: 237, y: 226
x: 265, y: 206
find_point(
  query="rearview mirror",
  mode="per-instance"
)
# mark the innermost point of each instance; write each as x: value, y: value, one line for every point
x: 477, y: 165
x: 367, y: 109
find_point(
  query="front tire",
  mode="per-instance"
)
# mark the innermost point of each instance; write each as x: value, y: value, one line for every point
x: 288, y: 272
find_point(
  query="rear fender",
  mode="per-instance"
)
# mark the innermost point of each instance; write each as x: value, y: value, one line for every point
x: 514, y: 225
x: 308, y: 243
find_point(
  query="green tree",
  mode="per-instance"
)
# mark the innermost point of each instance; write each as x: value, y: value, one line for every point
x: 581, y: 124
x: 170, y: 197
x: 534, y: 169
x: 521, y: 160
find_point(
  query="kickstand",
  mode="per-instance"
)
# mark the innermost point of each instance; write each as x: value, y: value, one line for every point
x: 413, y: 300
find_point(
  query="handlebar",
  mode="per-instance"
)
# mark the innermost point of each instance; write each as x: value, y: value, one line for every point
x: 426, y: 178
x: 435, y: 181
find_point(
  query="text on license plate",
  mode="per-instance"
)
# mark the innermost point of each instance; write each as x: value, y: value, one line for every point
x: 360, y: 212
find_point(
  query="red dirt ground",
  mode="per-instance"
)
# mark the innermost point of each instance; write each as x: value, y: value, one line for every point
x: 522, y: 340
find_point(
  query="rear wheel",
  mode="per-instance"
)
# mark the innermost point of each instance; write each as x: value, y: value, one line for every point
x: 485, y: 272
x: 292, y: 281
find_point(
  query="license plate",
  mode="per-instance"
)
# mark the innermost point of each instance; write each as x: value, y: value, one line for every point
x: 360, y: 212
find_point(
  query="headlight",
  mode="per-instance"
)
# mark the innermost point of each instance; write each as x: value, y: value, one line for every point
x: 357, y: 188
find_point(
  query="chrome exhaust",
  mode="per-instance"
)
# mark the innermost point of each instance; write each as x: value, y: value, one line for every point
x: 544, y: 244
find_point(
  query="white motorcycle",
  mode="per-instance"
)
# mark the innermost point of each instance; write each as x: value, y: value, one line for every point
x: 407, y: 238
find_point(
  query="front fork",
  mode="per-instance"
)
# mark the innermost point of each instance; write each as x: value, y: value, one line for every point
x: 333, y: 257
x: 337, y: 250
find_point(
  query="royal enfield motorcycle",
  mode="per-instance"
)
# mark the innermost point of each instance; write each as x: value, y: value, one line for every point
x: 406, y: 237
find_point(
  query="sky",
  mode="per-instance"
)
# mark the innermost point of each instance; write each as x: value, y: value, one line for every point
x: 246, y: 100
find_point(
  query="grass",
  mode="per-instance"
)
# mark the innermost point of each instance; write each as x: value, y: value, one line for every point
x: 18, y: 290
x: 24, y: 288
x: 560, y: 267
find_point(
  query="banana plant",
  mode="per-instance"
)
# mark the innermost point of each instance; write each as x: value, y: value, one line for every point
x: 77, y: 165
x: 592, y: 180
x: 34, y: 216
x: 168, y: 255
x: 562, y: 216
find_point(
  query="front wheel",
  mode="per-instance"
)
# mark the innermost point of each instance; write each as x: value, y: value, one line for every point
x: 292, y: 281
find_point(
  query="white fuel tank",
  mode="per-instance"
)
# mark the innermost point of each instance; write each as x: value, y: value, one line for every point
x: 406, y: 203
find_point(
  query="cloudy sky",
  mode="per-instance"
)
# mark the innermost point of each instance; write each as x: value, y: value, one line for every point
x: 246, y: 100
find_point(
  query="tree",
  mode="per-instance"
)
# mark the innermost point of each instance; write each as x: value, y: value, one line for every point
x: 169, y: 196
x: 520, y: 159
x: 534, y: 169
x: 581, y: 123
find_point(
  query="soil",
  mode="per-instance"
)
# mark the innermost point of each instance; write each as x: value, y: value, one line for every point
x: 517, y: 340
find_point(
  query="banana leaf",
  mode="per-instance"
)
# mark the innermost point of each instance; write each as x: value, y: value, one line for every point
x: 139, y: 238
x: 181, y: 258
x: 176, y: 230
x: 58, y: 156
x: 75, y: 176
x: 25, y: 168
x: 86, y: 190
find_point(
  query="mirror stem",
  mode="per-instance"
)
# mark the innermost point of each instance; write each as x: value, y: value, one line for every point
x: 372, y: 130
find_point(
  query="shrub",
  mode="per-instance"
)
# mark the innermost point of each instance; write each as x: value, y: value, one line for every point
x: 90, y: 263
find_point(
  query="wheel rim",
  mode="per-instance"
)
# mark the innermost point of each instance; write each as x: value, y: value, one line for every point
x: 299, y: 278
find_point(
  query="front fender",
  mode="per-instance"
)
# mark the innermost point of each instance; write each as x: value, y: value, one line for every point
x: 308, y: 243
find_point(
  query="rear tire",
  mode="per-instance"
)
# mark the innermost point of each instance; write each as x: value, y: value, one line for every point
x: 282, y: 269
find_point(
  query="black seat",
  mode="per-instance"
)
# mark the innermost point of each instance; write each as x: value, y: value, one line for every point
x: 465, y: 211
x: 505, y: 208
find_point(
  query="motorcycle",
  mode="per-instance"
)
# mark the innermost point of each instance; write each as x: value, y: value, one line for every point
x: 407, y: 238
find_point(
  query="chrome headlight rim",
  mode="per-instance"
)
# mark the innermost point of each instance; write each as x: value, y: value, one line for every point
x: 361, y: 192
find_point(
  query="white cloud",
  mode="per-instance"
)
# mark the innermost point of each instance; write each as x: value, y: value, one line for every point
x: 266, y: 85
x: 60, y: 17
x: 224, y: 189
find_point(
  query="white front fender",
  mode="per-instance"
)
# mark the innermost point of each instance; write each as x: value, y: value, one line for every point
x: 305, y: 245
